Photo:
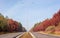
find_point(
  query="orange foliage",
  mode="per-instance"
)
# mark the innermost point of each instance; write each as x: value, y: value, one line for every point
x: 12, y: 25
x: 48, y: 22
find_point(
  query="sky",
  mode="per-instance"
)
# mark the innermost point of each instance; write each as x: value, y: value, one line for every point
x: 29, y: 12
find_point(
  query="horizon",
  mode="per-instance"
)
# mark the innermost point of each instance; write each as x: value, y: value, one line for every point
x: 29, y: 12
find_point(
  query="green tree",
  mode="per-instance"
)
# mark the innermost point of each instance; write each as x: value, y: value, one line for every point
x: 20, y: 27
x: 3, y: 23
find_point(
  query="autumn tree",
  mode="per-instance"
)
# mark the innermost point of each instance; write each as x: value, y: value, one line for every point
x: 14, y: 26
x: 58, y: 27
x: 50, y: 29
x: 48, y: 22
x: 10, y: 25
x: 56, y: 18
x: 3, y: 23
x: 43, y: 25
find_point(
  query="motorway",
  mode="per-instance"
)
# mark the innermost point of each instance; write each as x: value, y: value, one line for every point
x: 35, y: 34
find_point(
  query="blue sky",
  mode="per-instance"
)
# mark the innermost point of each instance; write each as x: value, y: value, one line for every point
x: 29, y: 12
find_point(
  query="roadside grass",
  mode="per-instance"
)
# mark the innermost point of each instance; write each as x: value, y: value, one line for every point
x: 26, y: 35
x: 6, y: 32
x: 3, y: 33
x: 52, y: 34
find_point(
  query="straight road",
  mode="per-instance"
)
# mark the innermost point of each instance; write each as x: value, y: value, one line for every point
x: 33, y: 34
x: 38, y: 35
x: 10, y: 35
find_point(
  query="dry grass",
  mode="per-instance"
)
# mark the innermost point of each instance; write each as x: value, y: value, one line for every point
x: 48, y: 33
x: 3, y: 33
x: 26, y: 35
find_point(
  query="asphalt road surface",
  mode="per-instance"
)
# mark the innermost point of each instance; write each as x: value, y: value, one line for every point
x: 10, y: 35
x: 37, y: 35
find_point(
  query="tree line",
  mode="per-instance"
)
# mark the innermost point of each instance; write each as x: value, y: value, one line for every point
x: 10, y: 25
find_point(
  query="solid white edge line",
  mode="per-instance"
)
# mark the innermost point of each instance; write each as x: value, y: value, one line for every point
x: 20, y: 35
x: 32, y: 35
x: 49, y: 34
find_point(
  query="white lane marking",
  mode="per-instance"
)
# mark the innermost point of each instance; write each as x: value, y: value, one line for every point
x: 20, y: 35
x: 32, y: 35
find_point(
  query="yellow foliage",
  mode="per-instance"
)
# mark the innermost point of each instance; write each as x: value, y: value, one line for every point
x: 50, y: 29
